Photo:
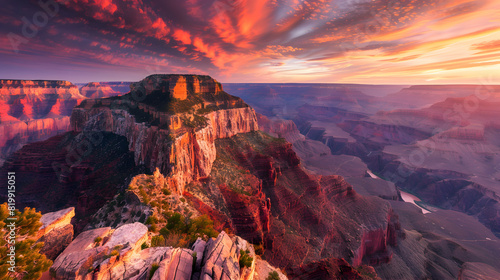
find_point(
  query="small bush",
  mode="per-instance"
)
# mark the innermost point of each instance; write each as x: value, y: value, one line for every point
x: 153, y: 228
x: 151, y: 220
x: 97, y: 239
x: 245, y: 259
x: 259, y: 249
x: 157, y: 241
x: 144, y: 246
x: 273, y: 276
x: 154, y: 268
x: 166, y: 191
x: 183, y: 199
x: 114, y: 253
x: 164, y: 231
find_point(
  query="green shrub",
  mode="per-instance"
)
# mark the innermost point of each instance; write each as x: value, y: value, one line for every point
x: 273, y: 276
x: 153, y: 228
x: 154, y: 268
x: 144, y: 246
x: 29, y: 260
x: 166, y: 191
x: 157, y: 241
x: 151, y: 220
x: 176, y: 223
x: 97, y: 239
x: 245, y: 259
x: 164, y: 231
x: 114, y: 253
x: 259, y: 249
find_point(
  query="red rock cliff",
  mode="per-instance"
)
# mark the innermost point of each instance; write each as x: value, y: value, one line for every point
x: 172, y: 126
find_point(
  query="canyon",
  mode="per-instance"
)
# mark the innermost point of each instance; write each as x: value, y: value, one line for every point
x: 296, y: 167
x: 34, y: 110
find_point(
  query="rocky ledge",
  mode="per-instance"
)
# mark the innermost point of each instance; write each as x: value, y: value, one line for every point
x: 105, y: 253
x: 56, y: 231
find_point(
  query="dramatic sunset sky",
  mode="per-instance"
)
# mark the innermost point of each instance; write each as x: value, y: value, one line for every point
x: 339, y: 41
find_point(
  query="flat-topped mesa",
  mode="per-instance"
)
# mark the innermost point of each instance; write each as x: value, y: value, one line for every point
x: 170, y: 122
x: 178, y: 86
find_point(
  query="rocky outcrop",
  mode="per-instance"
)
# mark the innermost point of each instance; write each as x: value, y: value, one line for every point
x: 101, y: 252
x: 105, y: 253
x: 178, y: 86
x: 280, y: 128
x: 56, y: 232
x: 53, y: 220
x: 178, y: 146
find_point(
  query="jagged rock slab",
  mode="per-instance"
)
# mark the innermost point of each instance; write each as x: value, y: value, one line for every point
x: 221, y: 259
x: 56, y: 219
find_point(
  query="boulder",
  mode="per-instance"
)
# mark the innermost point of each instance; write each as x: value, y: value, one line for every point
x: 56, y: 232
x: 221, y: 259
x: 178, y: 265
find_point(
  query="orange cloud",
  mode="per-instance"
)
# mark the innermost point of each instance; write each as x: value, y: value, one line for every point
x: 182, y: 36
x: 485, y: 47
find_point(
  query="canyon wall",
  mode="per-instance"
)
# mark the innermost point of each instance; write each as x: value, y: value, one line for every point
x: 34, y: 111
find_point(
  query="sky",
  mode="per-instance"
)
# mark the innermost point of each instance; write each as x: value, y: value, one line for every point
x: 340, y: 41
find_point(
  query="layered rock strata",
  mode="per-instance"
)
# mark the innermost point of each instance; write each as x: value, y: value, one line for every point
x: 173, y: 145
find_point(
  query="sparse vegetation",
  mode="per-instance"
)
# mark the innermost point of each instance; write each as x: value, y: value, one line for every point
x: 97, y: 239
x: 273, y: 276
x: 366, y: 272
x: 30, y: 264
x: 157, y: 241
x: 259, y: 249
x: 114, y: 253
x: 154, y: 268
x: 245, y: 259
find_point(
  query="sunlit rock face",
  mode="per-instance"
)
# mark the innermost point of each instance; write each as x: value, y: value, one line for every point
x: 33, y: 110
x: 112, y: 254
x: 170, y: 122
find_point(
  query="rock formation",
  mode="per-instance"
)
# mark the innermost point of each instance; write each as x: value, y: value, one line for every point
x: 56, y: 232
x: 207, y: 148
x: 105, y: 253
x: 183, y: 153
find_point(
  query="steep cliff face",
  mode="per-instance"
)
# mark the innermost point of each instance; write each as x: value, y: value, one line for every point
x: 258, y: 182
x: 70, y: 170
x: 178, y: 137
x: 33, y: 111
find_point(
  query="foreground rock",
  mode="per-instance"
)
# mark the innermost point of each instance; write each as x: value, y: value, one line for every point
x: 56, y: 232
x: 105, y: 253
